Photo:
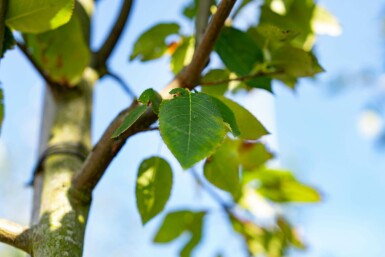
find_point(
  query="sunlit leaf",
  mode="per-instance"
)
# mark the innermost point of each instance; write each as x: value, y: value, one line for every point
x: 182, y: 55
x: 325, y: 23
x: 153, y: 187
x: 191, y: 126
x: 295, y: 62
x: 222, y: 168
x: 267, y: 34
x: 37, y: 16
x: 176, y: 223
x: 152, y: 43
x: 130, y: 119
x: 282, y: 186
x: 293, y: 16
x: 249, y: 126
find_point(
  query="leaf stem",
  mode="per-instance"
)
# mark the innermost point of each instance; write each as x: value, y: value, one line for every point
x: 122, y: 83
x: 241, y: 78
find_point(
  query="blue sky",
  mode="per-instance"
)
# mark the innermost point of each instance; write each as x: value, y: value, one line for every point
x: 314, y: 131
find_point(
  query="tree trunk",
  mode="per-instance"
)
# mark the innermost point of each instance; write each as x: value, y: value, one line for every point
x: 60, y: 213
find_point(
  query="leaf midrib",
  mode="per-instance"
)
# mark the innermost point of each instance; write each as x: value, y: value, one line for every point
x: 28, y: 14
x: 190, y: 123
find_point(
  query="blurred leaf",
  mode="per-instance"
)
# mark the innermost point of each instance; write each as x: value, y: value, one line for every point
x: 293, y: 16
x: 249, y: 126
x: 325, y: 23
x: 176, y: 223
x: 222, y: 168
x: 130, y: 119
x: 290, y: 233
x: 295, y: 62
x: 191, y: 9
x: 152, y: 43
x: 213, y: 76
x: 253, y: 155
x: 267, y: 34
x: 37, y: 16
x: 282, y: 186
x: 182, y: 55
x: 153, y: 187
x: 8, y: 41
x: 64, y: 63
x: 191, y: 126
x: 150, y: 96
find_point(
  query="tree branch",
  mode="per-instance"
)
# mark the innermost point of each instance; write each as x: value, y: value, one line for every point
x: 201, y: 20
x: 15, y: 235
x: 99, y: 59
x: 106, y: 149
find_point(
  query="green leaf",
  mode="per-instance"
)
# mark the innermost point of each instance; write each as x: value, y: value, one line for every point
x: 153, y: 187
x: 267, y: 34
x: 62, y: 53
x: 238, y: 51
x: 293, y: 16
x: 182, y: 55
x: 150, y: 96
x: 253, y: 155
x: 152, y: 43
x: 130, y: 119
x: 191, y: 126
x: 295, y: 62
x: 176, y: 223
x: 213, y: 76
x: 249, y: 126
x: 282, y: 186
x: 8, y: 41
x: 37, y: 16
x: 222, y: 168
x: 228, y: 116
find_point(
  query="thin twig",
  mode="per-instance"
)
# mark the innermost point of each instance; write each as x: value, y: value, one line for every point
x: 99, y: 59
x: 126, y: 88
x: 202, y: 20
x: 15, y: 235
x: 30, y: 58
x: 106, y: 149
x: 241, y: 78
x: 212, y: 193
